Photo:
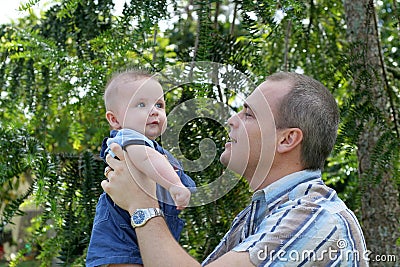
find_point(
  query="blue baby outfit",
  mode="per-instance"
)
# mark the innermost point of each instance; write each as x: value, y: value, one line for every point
x: 113, y: 240
x: 124, y: 138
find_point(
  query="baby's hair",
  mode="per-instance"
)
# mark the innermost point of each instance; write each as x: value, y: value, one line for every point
x: 111, y: 90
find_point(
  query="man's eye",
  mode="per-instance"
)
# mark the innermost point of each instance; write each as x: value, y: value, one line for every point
x: 246, y: 112
x: 141, y: 105
x: 159, y: 105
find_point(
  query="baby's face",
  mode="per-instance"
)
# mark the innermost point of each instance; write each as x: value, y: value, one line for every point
x: 143, y: 107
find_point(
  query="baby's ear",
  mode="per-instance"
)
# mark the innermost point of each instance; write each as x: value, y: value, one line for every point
x: 113, y: 120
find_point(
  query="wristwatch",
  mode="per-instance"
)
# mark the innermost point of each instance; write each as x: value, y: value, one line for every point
x: 141, y: 216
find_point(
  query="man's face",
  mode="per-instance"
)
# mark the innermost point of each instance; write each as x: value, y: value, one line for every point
x: 251, y: 149
x: 143, y: 108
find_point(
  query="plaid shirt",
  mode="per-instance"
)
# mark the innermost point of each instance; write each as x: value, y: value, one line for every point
x: 296, y: 221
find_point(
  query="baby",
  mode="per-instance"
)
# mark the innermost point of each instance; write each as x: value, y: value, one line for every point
x: 135, y: 110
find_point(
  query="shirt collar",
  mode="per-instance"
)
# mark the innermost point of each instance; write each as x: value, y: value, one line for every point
x: 273, y: 192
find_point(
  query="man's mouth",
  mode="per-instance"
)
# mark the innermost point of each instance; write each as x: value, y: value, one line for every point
x: 232, y: 140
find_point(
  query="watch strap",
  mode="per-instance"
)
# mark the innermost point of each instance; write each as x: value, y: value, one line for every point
x: 141, y: 216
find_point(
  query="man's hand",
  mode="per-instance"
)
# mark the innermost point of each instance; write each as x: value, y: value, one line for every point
x: 129, y: 188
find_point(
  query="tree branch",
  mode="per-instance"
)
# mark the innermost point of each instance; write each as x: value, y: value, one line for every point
x: 384, y: 74
x: 232, y: 28
x: 285, y: 56
x: 154, y: 46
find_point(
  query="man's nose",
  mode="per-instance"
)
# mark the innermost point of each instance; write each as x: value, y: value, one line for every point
x: 232, y: 121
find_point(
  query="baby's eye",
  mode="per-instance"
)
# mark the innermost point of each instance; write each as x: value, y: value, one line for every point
x: 141, y: 105
x: 159, y: 105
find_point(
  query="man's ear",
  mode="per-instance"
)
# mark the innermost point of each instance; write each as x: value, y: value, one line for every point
x: 113, y: 120
x: 289, y: 139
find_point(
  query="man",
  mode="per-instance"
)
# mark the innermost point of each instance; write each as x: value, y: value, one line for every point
x: 294, y: 219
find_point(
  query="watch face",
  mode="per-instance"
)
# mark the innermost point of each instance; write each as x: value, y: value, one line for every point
x: 138, y: 217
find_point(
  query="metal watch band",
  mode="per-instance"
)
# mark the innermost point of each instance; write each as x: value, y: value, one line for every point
x: 154, y: 212
x: 141, y: 216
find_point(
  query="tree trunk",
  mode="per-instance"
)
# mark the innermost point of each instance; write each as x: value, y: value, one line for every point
x: 380, y: 210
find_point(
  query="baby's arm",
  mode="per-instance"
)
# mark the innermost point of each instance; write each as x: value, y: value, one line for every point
x: 157, y: 167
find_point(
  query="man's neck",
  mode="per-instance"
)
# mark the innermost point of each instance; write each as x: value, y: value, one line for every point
x: 276, y: 173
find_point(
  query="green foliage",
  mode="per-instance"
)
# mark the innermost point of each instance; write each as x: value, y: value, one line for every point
x: 18, y: 155
x: 53, y: 70
x: 28, y: 4
x: 65, y: 187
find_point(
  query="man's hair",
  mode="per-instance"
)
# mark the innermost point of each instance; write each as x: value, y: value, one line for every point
x: 111, y: 90
x: 310, y: 107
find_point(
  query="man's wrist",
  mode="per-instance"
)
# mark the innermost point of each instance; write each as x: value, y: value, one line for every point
x: 133, y: 208
x: 141, y: 216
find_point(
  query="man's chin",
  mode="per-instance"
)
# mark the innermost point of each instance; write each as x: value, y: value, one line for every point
x: 224, y: 159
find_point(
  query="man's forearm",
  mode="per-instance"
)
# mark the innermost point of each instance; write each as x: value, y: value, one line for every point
x: 159, y: 248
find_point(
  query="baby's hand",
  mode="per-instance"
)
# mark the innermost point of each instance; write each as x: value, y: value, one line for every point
x: 181, y: 196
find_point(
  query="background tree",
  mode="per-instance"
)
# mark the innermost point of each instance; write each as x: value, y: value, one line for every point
x: 374, y: 94
x: 54, y: 68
